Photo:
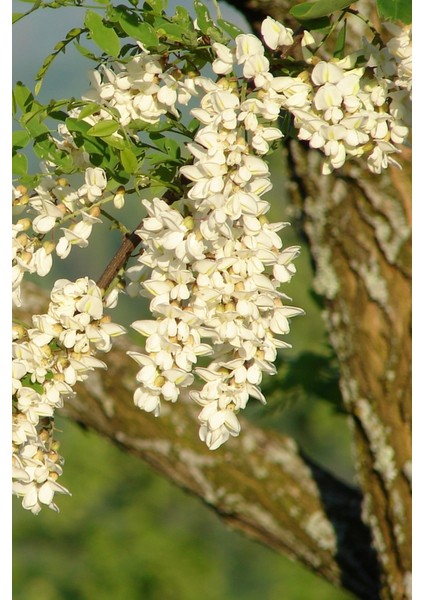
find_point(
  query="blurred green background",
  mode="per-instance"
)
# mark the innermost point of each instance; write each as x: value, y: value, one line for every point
x: 126, y: 533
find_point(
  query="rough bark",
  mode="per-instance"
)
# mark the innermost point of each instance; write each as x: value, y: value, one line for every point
x: 260, y: 484
x: 359, y: 231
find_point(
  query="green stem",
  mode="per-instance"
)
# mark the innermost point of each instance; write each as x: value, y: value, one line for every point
x: 118, y: 225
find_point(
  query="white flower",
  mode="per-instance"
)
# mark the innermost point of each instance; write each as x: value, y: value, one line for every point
x: 275, y: 34
x: 247, y: 46
x: 49, y: 212
x: 77, y: 235
x: 95, y: 183
x: 223, y: 64
x: 326, y: 72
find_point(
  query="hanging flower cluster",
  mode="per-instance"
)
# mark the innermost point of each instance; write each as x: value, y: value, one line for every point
x: 348, y: 108
x: 352, y: 111
x: 144, y: 88
x: 214, y: 274
x: 48, y: 359
x: 54, y: 202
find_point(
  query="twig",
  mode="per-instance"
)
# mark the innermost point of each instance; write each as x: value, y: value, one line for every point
x: 128, y: 245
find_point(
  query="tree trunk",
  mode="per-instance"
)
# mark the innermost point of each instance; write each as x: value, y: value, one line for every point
x: 359, y: 230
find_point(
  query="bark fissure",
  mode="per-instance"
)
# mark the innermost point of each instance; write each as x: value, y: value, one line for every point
x: 364, y: 278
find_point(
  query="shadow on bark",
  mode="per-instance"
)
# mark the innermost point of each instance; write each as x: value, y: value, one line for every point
x: 357, y: 559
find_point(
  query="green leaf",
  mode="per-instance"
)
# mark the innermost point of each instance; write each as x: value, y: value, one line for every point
x: 229, y: 28
x: 315, y: 10
x: 129, y: 160
x: 203, y: 17
x: 339, y: 46
x: 74, y: 125
x: 58, y: 115
x: 17, y: 17
x: 26, y: 382
x: 171, y: 31
x: 115, y: 142
x: 35, y: 127
x: 157, y: 5
x: 85, y: 52
x: 59, y: 47
x: 167, y: 145
x: 182, y: 16
x: 395, y: 10
x: 139, y: 125
x: 88, y: 110
x: 321, y: 25
x: 193, y: 126
x: 20, y: 139
x: 141, y: 31
x: 105, y: 37
x: 103, y: 128
x: 46, y: 149
x: 19, y: 164
x: 79, y: 131
x: 22, y: 96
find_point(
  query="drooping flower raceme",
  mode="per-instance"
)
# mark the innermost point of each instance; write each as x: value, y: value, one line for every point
x: 349, y: 110
x: 213, y: 276
x: 48, y: 359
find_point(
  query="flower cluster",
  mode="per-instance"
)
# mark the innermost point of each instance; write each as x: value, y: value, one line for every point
x: 144, y: 88
x: 214, y: 274
x: 48, y: 359
x: 349, y: 110
x: 53, y: 202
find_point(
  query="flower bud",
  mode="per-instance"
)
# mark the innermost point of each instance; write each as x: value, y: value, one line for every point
x: 44, y: 435
x: 94, y: 211
x: 49, y: 246
x: 119, y: 198
x: 26, y: 257
x: 25, y: 224
x: 53, y: 456
x: 22, y: 239
x: 22, y: 189
x: 18, y: 332
x: 188, y: 222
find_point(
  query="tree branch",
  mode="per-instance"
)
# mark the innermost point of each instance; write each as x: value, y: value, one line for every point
x: 259, y: 484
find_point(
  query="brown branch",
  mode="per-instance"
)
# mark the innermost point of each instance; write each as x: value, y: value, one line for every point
x: 128, y: 245
x: 121, y: 256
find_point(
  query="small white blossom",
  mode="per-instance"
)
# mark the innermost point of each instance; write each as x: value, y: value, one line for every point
x: 275, y: 34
